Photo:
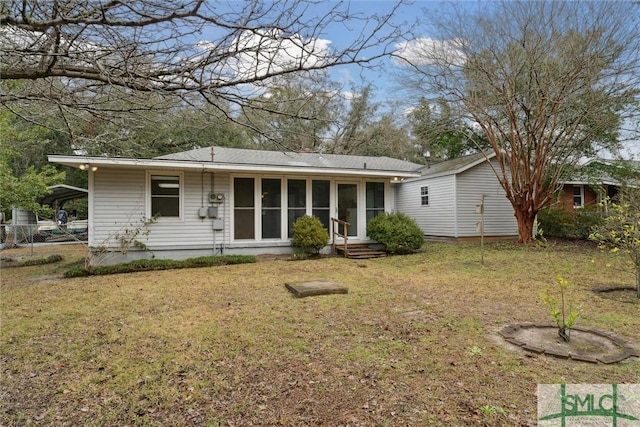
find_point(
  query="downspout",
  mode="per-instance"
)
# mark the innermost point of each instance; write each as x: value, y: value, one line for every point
x: 455, y: 206
x: 211, y: 189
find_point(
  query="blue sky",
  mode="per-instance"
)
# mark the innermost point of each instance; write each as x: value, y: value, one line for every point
x: 381, y: 77
x: 341, y: 35
x: 384, y: 78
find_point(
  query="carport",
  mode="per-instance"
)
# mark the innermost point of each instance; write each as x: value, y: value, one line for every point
x: 61, y: 193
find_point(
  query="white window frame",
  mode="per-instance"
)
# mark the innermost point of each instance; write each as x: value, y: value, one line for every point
x: 385, y: 203
x: 148, y: 212
x: 581, y: 204
x: 423, y: 195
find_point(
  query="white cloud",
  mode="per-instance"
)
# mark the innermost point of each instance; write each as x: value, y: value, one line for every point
x: 428, y: 51
x: 257, y: 54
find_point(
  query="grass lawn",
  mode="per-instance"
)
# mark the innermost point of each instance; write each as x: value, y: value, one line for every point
x: 413, y: 343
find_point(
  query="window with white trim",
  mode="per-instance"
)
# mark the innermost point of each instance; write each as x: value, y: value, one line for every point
x: 424, y: 196
x: 578, y: 196
x: 165, y: 191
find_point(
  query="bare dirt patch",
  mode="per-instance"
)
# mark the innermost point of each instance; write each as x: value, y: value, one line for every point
x: 625, y: 294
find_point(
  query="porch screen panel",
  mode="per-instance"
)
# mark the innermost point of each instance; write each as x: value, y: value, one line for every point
x: 271, y: 209
x: 320, y: 201
x: 348, y: 206
x: 243, y: 208
x: 375, y: 199
x: 296, y: 201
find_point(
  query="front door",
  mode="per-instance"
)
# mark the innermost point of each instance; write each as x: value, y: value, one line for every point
x: 348, y: 206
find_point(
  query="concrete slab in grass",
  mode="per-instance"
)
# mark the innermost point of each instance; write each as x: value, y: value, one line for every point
x: 315, y: 287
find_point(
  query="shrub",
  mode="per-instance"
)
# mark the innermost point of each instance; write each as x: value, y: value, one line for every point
x: 555, y: 222
x: 309, y: 234
x: 619, y: 230
x: 565, y: 319
x: 399, y: 233
x: 51, y: 259
x: 77, y: 272
x: 160, y: 264
x: 587, y: 219
x: 560, y: 223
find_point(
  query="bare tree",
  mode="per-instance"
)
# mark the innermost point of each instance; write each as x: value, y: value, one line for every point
x: 546, y: 82
x: 88, y: 59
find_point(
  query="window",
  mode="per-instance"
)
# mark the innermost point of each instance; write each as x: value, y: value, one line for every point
x: 320, y: 200
x: 244, y: 208
x: 165, y: 196
x: 271, y: 209
x: 266, y: 208
x: 578, y: 196
x: 375, y: 199
x: 424, y: 196
x: 296, y: 201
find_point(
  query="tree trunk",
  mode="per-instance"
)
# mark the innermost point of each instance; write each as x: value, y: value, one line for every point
x: 525, y: 219
x: 638, y: 281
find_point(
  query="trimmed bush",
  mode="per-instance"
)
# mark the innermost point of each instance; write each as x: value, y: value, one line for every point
x: 41, y: 261
x: 309, y: 234
x: 77, y: 272
x: 399, y: 233
x: 160, y: 264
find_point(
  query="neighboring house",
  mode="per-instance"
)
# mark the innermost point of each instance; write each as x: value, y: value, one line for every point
x: 577, y: 193
x: 444, y: 200
x: 590, y: 185
x: 219, y: 200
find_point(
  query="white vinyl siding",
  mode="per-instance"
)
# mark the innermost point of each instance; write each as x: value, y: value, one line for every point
x: 120, y: 202
x: 452, y: 204
x: 438, y: 219
x: 118, y: 198
x: 498, y: 212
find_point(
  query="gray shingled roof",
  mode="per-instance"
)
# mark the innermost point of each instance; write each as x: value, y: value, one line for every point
x: 457, y: 165
x: 240, y: 156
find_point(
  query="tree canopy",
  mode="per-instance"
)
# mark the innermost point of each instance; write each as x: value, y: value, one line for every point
x: 89, y: 62
x: 546, y: 82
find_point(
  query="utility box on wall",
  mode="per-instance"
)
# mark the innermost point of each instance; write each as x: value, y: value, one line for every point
x: 218, y: 224
x: 212, y: 212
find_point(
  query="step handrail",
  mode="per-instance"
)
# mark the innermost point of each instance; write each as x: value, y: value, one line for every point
x: 338, y: 222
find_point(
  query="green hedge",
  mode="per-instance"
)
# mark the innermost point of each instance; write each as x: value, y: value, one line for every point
x: 160, y: 264
x: 560, y: 223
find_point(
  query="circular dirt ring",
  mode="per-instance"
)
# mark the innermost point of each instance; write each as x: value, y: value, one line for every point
x: 586, y: 345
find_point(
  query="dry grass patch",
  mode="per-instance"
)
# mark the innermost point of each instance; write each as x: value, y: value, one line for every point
x: 412, y: 343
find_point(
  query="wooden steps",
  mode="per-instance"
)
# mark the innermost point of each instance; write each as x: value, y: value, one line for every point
x: 362, y: 251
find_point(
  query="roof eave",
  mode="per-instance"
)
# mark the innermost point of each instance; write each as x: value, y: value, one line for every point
x: 76, y: 162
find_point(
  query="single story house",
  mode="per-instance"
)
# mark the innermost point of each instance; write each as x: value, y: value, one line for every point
x: 445, y: 200
x: 219, y: 200
x: 593, y: 182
